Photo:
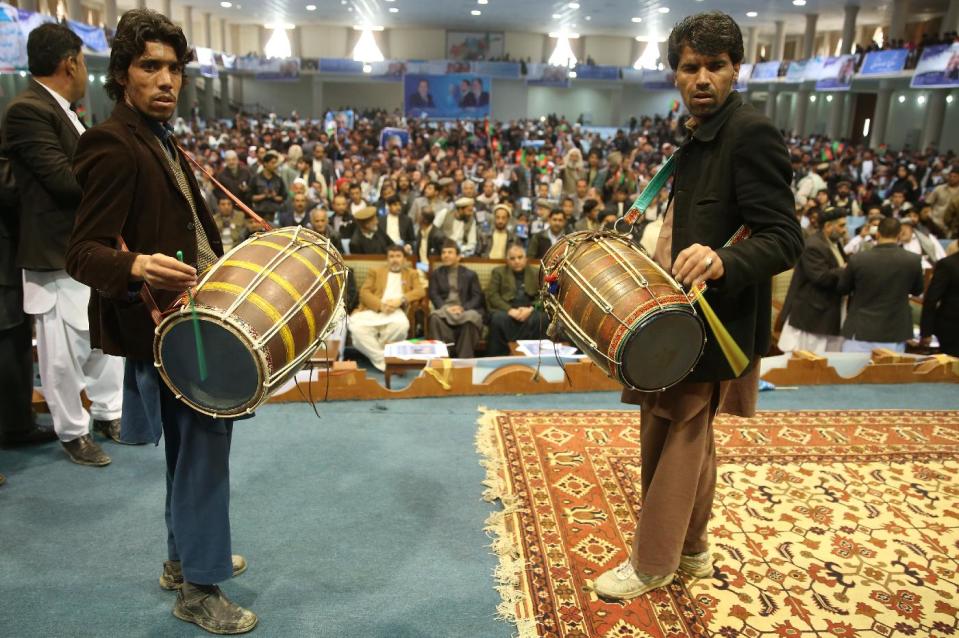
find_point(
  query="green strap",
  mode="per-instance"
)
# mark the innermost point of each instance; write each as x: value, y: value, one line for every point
x: 651, y: 191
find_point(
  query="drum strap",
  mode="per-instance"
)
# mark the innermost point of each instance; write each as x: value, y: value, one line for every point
x: 651, y: 191
x: 236, y: 200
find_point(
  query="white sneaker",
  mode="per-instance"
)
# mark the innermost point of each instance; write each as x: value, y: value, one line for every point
x: 624, y: 582
x: 696, y: 565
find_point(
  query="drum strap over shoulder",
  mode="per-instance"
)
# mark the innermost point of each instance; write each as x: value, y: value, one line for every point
x: 651, y: 191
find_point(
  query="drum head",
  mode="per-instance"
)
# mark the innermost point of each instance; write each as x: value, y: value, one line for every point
x: 663, y: 351
x: 233, y: 378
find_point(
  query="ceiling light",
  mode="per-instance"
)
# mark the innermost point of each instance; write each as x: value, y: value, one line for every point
x: 556, y: 16
x: 663, y: 9
x: 572, y: 75
x: 226, y: 5
x: 476, y: 12
x: 573, y: 5
x: 921, y: 100
x: 812, y: 98
x: 948, y: 99
x: 91, y: 77
x: 636, y: 19
x: 589, y: 18
x: 569, y: 36
x: 367, y: 68
x: 342, y: 1
x: 103, y: 79
x: 752, y: 14
x: 482, y: 1
x: 367, y: 27
x: 829, y: 98
x: 394, y: 10
x: 902, y: 98
x: 799, y: 3
x: 311, y: 7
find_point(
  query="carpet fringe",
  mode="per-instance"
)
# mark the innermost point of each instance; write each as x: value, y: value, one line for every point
x: 500, y: 527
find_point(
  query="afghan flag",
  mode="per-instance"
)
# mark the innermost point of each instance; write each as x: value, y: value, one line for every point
x: 674, y: 106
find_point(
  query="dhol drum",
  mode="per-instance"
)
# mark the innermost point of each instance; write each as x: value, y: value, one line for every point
x: 264, y: 308
x: 620, y: 308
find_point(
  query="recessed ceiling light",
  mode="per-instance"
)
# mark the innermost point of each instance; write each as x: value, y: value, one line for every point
x: 394, y: 10
x: 589, y: 17
x: 902, y: 98
x: 342, y: 1
x: 311, y: 7
x: 637, y: 19
x: 482, y: 1
x: 752, y: 14
x: 664, y: 9
x: 556, y: 16
x: 476, y: 12
x: 799, y: 3
x: 573, y: 5
x: 226, y: 5
x: 572, y: 75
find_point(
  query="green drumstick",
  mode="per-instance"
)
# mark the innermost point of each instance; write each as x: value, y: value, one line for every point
x: 200, y: 356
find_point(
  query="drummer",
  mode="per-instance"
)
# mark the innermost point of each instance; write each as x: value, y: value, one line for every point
x: 138, y: 186
x: 733, y: 171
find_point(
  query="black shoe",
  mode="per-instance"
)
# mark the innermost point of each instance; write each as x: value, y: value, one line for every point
x: 172, y: 577
x: 207, y: 607
x: 34, y: 436
x: 110, y: 429
x: 85, y: 451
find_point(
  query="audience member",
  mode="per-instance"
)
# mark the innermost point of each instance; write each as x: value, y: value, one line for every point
x: 495, y: 243
x: 940, y: 307
x: 367, y: 238
x: 269, y: 191
x: 541, y: 242
x: 511, y: 298
x: 458, y: 303
x: 397, y: 225
x: 320, y: 222
x: 231, y: 223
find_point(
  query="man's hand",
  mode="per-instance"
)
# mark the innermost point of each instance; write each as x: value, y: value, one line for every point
x: 163, y: 272
x: 456, y: 310
x: 697, y: 263
x: 389, y: 305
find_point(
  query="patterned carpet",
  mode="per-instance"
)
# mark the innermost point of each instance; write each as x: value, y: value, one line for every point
x: 825, y: 524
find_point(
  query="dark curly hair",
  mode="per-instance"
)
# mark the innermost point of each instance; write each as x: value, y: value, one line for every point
x: 136, y: 28
x: 710, y: 33
x: 47, y: 45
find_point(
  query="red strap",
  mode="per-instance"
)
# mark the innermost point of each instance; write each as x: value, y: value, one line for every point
x: 236, y: 200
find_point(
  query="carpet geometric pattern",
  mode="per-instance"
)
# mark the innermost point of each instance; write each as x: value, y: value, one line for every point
x: 825, y: 524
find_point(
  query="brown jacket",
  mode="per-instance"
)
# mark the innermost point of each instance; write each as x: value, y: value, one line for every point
x: 371, y: 294
x: 129, y: 190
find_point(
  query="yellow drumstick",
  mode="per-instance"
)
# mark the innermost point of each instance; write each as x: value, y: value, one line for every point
x: 731, y: 350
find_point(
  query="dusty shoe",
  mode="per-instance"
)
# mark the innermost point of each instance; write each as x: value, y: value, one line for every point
x: 208, y: 608
x: 696, y: 565
x: 172, y: 577
x: 84, y: 451
x: 624, y: 582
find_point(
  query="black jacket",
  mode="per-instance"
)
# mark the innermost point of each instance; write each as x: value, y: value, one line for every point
x: 940, y: 308
x: 11, y: 281
x: 734, y: 171
x: 360, y: 244
x: 40, y: 141
x: 468, y: 284
x: 407, y: 234
x: 879, y: 282
x: 240, y: 183
x: 434, y: 241
x: 813, y: 303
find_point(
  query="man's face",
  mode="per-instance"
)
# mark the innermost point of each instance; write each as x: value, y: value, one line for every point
x: 501, y: 219
x: 430, y: 191
x: 299, y: 203
x: 953, y: 179
x: 568, y: 208
x: 423, y: 88
x: 489, y: 188
x: 394, y: 208
x: 477, y: 87
x: 395, y: 260
x: 270, y: 164
x: 705, y: 81
x: 450, y: 257
x: 370, y: 225
x: 557, y: 222
x: 822, y: 198
x: 581, y: 188
x: 225, y: 207
x: 319, y: 220
x: 339, y: 205
x: 153, y: 81
x: 898, y: 198
x: 835, y: 230
x: 356, y: 194
x: 905, y: 233
x: 843, y: 190
x: 76, y: 67
x: 542, y: 190
x: 319, y: 152
x: 232, y: 161
x: 464, y: 212
x: 516, y: 258
x: 469, y: 189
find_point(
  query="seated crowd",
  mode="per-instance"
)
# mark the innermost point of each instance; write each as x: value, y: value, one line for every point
x: 507, y: 193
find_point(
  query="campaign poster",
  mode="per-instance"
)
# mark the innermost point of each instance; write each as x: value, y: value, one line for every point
x: 837, y: 73
x: 765, y: 71
x: 13, y: 50
x: 93, y: 37
x: 474, y: 45
x: 445, y: 97
x: 938, y: 67
x: 207, y: 62
x: 392, y: 137
x: 742, y: 82
x: 814, y: 68
x: 538, y: 74
x: 882, y: 62
x: 796, y: 71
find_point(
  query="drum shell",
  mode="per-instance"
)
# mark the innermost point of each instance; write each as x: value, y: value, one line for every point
x: 598, y: 258
x: 266, y: 293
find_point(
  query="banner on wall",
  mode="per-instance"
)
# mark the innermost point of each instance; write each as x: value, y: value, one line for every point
x: 796, y: 71
x: 659, y: 80
x: 450, y: 96
x: 270, y: 69
x: 596, y: 72
x: 631, y: 75
x: 93, y: 37
x: 836, y: 74
x: 474, y: 45
x: 13, y: 53
x: 879, y: 62
x: 742, y: 82
x: 938, y: 67
x: 207, y: 62
x: 30, y: 20
x: 765, y: 71
x: 510, y: 70
x: 539, y: 74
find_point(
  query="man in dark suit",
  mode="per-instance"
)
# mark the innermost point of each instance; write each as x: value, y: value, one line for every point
x: 457, y: 301
x: 367, y: 238
x: 138, y: 186
x: 397, y: 225
x: 236, y: 177
x: 320, y: 222
x: 813, y: 307
x: 422, y: 98
x: 879, y: 282
x: 40, y: 133
x: 733, y: 171
x: 940, y: 306
x: 511, y: 298
x: 541, y: 242
x: 429, y: 239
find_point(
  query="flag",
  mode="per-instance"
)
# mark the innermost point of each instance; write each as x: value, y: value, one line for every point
x: 674, y: 106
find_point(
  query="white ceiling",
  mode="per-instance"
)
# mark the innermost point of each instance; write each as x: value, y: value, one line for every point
x: 592, y: 16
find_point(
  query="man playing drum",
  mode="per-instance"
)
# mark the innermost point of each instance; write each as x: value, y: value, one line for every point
x: 137, y: 186
x: 733, y: 171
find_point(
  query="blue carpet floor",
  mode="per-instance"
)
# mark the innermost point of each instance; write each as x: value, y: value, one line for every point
x: 365, y: 524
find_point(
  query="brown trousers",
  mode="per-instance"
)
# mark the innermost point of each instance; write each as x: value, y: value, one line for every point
x: 678, y: 455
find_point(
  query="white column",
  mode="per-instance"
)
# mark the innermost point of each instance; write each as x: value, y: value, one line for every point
x: 208, y: 106
x: 849, y: 28
x: 318, y: 94
x: 771, y: 102
x: 809, y: 38
x: 950, y: 22
x: 802, y: 105
x: 836, y: 107
x: 779, y: 41
x: 897, y: 24
x: 188, y: 96
x: 29, y: 5
x: 751, y: 34
x: 207, y: 30
x: 224, y: 95
x: 188, y: 24
x: 168, y: 8
x: 75, y: 10
x: 877, y: 135
x: 110, y: 13
x: 223, y: 46
x: 935, y: 118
